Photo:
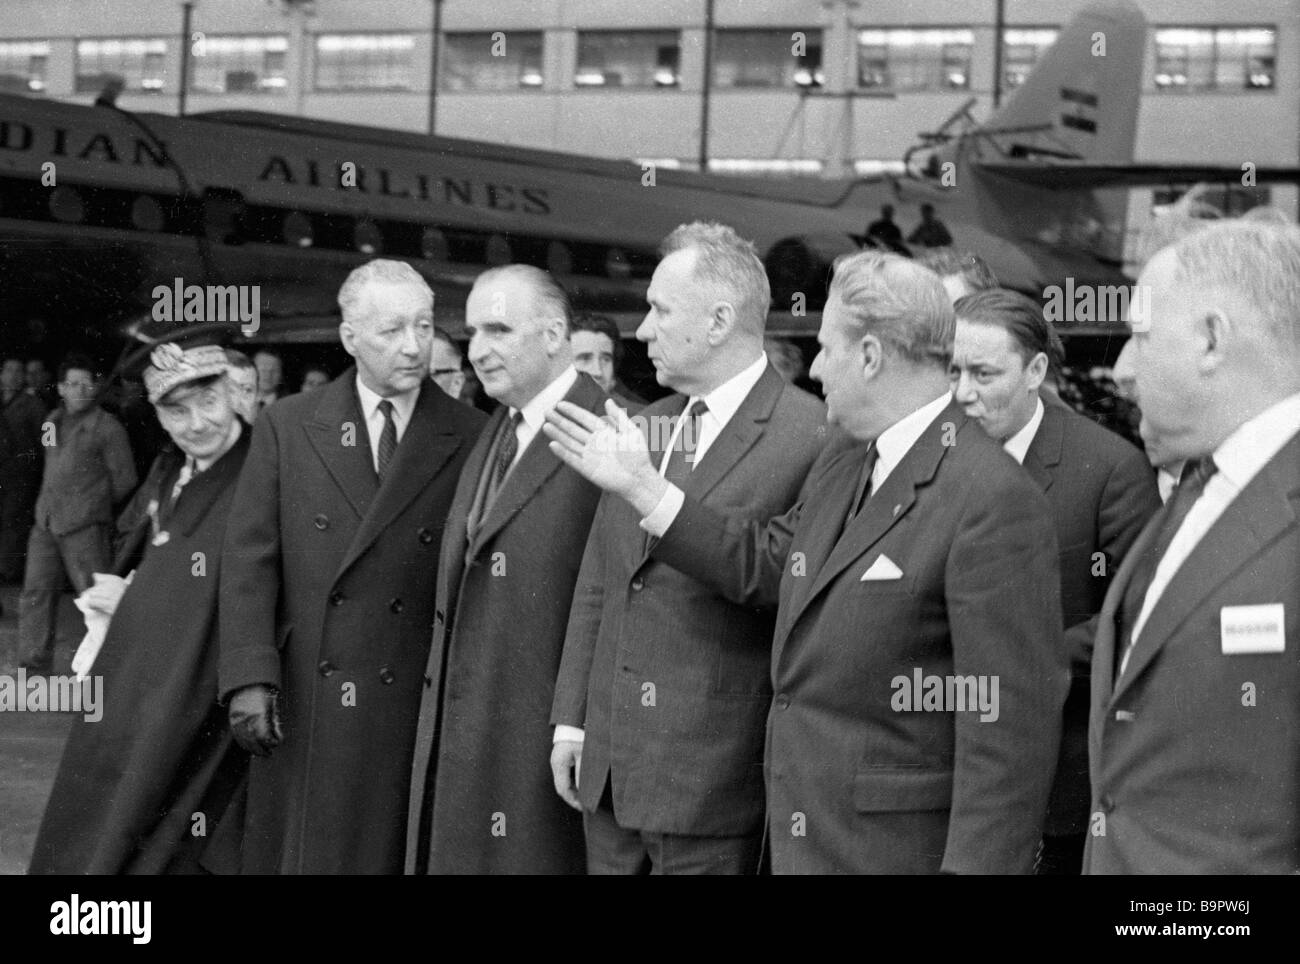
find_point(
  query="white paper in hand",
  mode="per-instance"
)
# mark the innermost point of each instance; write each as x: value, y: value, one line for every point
x: 96, y: 629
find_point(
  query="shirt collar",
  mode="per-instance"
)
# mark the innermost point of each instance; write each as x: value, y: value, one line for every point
x: 535, y: 409
x: 1247, y: 450
x: 725, y: 400
x: 1018, y: 445
x: 403, y: 405
x: 895, y: 441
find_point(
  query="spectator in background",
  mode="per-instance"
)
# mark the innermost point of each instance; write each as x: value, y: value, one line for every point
x: 598, y: 351
x: 40, y: 383
x: 243, y: 385
x: 785, y: 357
x: 314, y: 377
x: 88, y: 474
x: 20, y: 467
x: 962, y: 272
x: 270, y: 374
x: 884, y: 233
x: 931, y: 232
x: 447, y: 363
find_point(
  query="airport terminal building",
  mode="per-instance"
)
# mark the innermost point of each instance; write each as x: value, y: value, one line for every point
x: 809, y: 88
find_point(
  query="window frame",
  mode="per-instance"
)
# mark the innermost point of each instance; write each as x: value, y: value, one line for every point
x: 410, y: 86
x: 1212, y: 86
x: 654, y: 69
x: 941, y: 63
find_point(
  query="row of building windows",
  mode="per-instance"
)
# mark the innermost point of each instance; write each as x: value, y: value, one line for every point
x: 902, y: 60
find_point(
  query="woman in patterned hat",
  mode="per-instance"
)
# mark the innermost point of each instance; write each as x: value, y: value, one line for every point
x: 145, y: 787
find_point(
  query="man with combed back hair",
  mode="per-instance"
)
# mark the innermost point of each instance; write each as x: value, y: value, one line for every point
x: 327, y: 588
x: 1101, y: 491
x: 1195, y: 711
x: 917, y: 663
x: 663, y: 688
x: 482, y: 799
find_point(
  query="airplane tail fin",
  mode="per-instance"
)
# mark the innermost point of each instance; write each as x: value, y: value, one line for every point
x: 1081, y: 99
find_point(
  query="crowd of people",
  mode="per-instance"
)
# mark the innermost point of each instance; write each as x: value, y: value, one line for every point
x: 935, y: 621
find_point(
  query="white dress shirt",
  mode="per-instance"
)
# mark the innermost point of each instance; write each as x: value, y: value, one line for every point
x: 1167, y: 479
x: 897, y: 440
x: 1018, y: 445
x: 403, y: 406
x: 535, y: 409
x: 723, y: 403
x: 1239, y: 459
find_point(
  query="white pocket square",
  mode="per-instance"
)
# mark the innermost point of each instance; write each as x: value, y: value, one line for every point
x: 882, y: 569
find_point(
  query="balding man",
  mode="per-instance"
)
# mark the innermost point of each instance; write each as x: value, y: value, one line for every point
x: 1101, y: 491
x: 1195, y: 683
x: 663, y: 688
x: 917, y: 662
x: 327, y: 588
x: 482, y: 798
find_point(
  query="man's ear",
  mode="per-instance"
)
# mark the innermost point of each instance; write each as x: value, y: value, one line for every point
x: 722, y: 319
x: 347, y: 335
x: 1037, y: 371
x: 555, y: 334
x: 1213, y: 330
x: 872, y: 355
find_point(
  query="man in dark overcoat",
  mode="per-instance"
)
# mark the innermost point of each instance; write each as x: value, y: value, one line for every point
x: 327, y: 592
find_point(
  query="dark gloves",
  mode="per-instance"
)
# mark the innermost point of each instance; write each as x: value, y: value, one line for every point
x: 255, y: 719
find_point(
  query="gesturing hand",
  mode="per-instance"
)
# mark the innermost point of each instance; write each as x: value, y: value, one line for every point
x: 609, y: 451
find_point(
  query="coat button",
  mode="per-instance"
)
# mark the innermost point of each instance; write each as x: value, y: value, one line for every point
x: 438, y: 616
x: 425, y: 536
x: 336, y: 597
x: 1107, y: 804
x: 397, y: 605
x: 428, y: 682
x: 386, y: 676
x: 783, y: 702
x: 638, y: 584
x: 326, y: 668
x: 321, y: 522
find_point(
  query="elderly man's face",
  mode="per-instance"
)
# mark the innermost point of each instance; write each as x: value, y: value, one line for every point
x: 243, y: 392
x: 198, y: 417
x: 510, y: 345
x: 593, y: 353
x: 839, y: 367
x: 392, y: 338
x: 1159, y: 364
x: 676, y: 327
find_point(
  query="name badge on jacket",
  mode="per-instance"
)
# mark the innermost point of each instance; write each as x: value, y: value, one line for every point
x: 1252, y: 629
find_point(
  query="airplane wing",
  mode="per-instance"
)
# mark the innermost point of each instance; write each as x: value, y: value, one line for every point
x: 1085, y: 175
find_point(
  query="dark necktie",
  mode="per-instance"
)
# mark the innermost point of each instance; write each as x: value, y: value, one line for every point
x: 507, y: 449
x: 387, y: 438
x: 680, y: 461
x: 864, y: 483
x: 1196, y: 473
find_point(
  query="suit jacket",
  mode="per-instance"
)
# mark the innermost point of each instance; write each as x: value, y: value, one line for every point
x: 1193, y: 755
x: 327, y: 594
x: 484, y: 740
x: 864, y: 775
x: 1102, y: 493
x: 669, y: 679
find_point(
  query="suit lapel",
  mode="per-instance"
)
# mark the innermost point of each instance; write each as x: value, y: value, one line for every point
x: 350, y: 466
x: 738, y: 435
x: 535, y: 466
x: 1044, y: 454
x: 1103, y: 660
x: 1255, y: 517
x: 884, y: 508
x: 424, y: 449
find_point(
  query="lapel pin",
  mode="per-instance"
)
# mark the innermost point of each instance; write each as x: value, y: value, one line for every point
x: 898, y: 508
x: 161, y: 538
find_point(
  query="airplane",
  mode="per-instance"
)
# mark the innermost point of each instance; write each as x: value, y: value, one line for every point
x: 101, y: 208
